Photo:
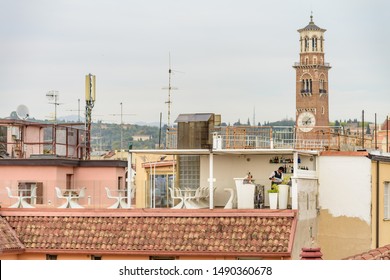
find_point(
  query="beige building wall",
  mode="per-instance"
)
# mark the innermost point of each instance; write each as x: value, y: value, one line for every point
x: 141, y: 183
x: 307, y: 226
x: 380, y: 225
x: 344, y: 219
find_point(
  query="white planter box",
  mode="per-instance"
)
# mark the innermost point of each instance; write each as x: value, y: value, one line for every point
x: 273, y: 200
x: 283, y: 196
x: 245, y: 196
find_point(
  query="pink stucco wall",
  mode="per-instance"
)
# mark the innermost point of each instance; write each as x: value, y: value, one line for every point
x: 95, y: 179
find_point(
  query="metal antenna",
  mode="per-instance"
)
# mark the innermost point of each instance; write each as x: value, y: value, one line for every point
x: 78, y: 110
x: 169, y: 88
x: 53, y: 96
x: 121, y: 125
x: 90, y: 98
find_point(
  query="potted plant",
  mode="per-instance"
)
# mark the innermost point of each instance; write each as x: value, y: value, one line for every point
x: 273, y: 196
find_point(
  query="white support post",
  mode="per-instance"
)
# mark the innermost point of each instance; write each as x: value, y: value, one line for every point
x: 294, y: 184
x: 211, y: 180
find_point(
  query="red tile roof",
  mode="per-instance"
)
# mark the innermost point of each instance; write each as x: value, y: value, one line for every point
x: 9, y: 243
x: 381, y: 253
x: 156, y: 232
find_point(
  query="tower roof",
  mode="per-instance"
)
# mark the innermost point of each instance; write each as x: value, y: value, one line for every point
x: 311, y: 26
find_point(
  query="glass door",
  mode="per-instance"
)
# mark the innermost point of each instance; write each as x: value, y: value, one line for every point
x: 159, y: 190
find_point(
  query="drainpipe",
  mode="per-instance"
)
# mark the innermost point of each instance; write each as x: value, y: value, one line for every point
x: 129, y: 177
x: 387, y: 134
x: 377, y: 205
x: 363, y: 129
x: 376, y: 135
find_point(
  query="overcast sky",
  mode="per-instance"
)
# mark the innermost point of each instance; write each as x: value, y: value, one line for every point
x: 232, y: 58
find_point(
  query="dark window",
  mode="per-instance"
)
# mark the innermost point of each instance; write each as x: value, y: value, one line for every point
x: 69, y: 179
x: 306, y: 44
x: 96, y: 258
x: 159, y: 258
x: 120, y: 182
x: 314, y: 44
x: 306, y: 86
x: 51, y: 257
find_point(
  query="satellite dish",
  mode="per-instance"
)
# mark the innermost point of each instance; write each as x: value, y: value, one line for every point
x: 22, y: 112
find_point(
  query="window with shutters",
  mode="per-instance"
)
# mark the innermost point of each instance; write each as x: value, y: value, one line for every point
x: 28, y: 187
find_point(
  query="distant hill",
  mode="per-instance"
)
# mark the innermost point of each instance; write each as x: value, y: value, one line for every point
x: 110, y: 136
x: 281, y: 123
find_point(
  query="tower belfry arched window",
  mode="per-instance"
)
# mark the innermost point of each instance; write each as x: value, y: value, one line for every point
x: 306, y: 86
x: 314, y: 44
x: 306, y: 44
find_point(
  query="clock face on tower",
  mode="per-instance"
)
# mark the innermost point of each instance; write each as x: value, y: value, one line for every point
x: 306, y: 121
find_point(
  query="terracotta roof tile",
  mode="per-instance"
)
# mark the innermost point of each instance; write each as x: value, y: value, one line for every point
x: 9, y: 243
x: 382, y: 253
x: 136, y: 232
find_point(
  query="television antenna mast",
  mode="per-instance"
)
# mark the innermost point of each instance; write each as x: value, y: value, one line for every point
x: 53, y: 97
x: 78, y: 110
x: 169, y: 88
x: 121, y: 114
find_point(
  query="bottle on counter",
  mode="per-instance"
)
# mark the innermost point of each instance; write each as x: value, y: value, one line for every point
x: 249, y: 177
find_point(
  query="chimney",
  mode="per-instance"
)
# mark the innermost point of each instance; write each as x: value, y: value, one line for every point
x: 311, y: 254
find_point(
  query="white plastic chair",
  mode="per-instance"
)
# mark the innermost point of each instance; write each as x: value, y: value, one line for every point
x: 60, y: 195
x: 120, y: 203
x: 10, y: 195
x: 176, y: 195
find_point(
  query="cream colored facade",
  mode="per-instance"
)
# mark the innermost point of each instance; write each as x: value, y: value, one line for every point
x: 145, y: 166
x: 344, y: 213
x: 380, y: 178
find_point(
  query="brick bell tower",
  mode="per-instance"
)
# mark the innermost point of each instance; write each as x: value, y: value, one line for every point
x: 312, y: 102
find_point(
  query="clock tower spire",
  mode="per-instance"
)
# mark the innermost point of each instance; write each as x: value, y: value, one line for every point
x: 312, y: 103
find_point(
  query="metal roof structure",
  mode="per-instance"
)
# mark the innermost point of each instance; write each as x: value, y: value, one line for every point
x: 198, y: 117
x: 311, y: 27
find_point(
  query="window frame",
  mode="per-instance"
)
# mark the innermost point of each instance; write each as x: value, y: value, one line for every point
x: 386, y: 200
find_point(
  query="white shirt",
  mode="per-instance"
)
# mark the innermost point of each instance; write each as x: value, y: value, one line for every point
x: 275, y: 180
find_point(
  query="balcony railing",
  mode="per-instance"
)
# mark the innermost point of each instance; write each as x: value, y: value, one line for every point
x: 306, y: 91
x: 282, y: 137
x: 298, y: 64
